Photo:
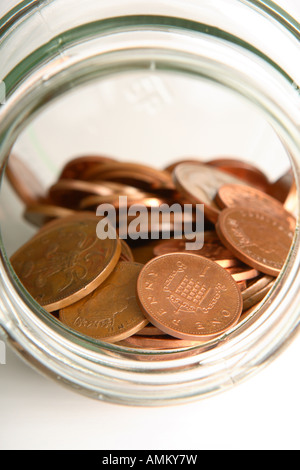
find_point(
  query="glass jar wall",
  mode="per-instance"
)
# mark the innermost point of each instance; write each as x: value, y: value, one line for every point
x: 151, y: 83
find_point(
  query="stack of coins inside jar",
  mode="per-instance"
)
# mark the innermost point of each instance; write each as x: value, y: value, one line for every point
x: 152, y: 289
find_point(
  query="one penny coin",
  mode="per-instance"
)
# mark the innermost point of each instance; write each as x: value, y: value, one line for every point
x: 111, y: 313
x: 231, y: 195
x: 65, y: 263
x: 256, y: 238
x: 189, y: 297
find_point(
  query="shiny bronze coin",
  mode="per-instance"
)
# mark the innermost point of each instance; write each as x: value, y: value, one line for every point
x: 69, y: 193
x: 39, y: 214
x: 291, y: 202
x: 110, y: 313
x: 133, y: 172
x: 240, y: 274
x: 257, y: 291
x: 26, y: 185
x: 155, y: 343
x: 147, y: 200
x: 257, y: 239
x: 281, y: 188
x: 189, y: 297
x: 231, y: 195
x: 150, y: 330
x: 243, y: 170
x: 126, y: 252
x: 65, y: 263
x: 212, y: 249
x: 75, y: 168
x: 200, y: 183
x: 242, y: 285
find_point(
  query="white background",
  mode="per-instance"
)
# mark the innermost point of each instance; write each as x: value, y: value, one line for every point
x: 262, y: 413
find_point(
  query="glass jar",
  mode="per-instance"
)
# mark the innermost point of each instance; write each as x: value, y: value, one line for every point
x: 147, y: 82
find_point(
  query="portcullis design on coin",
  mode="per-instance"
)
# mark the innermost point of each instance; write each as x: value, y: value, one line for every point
x: 189, y: 297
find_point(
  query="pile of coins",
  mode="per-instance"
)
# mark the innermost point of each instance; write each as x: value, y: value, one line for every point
x: 148, y: 293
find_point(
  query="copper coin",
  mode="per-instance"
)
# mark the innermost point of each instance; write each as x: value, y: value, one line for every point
x: 39, y: 214
x: 240, y: 274
x: 70, y: 216
x: 77, y: 166
x: 158, y: 342
x: 231, y: 195
x: 150, y: 330
x: 257, y: 291
x: 243, y: 170
x: 126, y: 252
x: 110, y: 313
x: 281, y: 188
x: 69, y: 193
x: 65, y: 263
x: 199, y: 183
x: 291, y: 202
x: 171, y: 167
x: 128, y: 171
x: 212, y: 249
x: 256, y: 238
x: 147, y: 200
x: 189, y: 297
x: 27, y: 186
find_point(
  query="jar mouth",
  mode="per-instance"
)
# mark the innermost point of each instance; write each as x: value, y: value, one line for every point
x: 29, y: 89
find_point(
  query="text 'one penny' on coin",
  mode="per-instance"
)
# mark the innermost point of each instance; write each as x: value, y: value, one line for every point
x: 66, y: 262
x: 189, y: 297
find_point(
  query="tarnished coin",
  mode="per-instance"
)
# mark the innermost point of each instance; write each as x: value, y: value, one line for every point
x: 199, y: 183
x: 26, y: 185
x: 256, y: 238
x: 231, y: 195
x: 111, y: 313
x: 65, y: 263
x: 189, y: 297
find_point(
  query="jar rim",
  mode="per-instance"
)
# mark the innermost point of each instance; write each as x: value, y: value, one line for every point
x: 269, y: 7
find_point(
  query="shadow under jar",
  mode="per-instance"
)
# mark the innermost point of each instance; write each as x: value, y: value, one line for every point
x: 152, y: 83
